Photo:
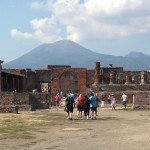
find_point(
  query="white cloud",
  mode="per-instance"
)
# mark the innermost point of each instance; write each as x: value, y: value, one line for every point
x: 45, y: 30
x: 20, y: 35
x: 39, y: 23
x: 36, y: 5
x: 44, y: 5
x: 89, y: 20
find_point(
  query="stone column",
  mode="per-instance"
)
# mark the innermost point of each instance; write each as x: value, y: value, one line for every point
x: 128, y: 79
x: 97, y: 74
x: 112, y: 77
x: 119, y: 78
x: 143, y: 77
x: 12, y: 83
x: 0, y: 75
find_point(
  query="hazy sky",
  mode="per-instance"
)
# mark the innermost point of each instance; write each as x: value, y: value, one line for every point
x: 114, y: 27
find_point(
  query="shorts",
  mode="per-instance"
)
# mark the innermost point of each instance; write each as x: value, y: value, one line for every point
x: 80, y: 108
x: 124, y: 103
x: 93, y: 108
x: 70, y: 109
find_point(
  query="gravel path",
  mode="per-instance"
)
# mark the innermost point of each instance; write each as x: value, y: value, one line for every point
x: 112, y: 130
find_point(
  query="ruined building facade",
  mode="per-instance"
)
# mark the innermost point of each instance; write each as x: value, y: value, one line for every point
x: 63, y: 78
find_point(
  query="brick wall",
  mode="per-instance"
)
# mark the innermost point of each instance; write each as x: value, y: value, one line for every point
x: 24, y: 100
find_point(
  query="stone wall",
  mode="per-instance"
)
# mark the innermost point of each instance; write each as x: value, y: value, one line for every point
x: 90, y: 77
x: 141, y: 101
x: 118, y: 96
x: 105, y: 73
x: 40, y: 100
x: 24, y: 101
x: 138, y: 99
x: 31, y: 80
x: 122, y: 87
x: 82, y: 79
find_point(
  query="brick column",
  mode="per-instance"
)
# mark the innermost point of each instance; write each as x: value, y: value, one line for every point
x: 97, y: 74
x: 143, y: 77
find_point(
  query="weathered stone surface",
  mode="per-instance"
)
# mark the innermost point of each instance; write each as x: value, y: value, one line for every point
x: 24, y: 101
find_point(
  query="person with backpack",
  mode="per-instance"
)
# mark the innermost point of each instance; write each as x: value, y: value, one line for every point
x: 70, y: 104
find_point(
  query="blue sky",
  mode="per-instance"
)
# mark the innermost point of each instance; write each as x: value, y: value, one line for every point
x: 114, y: 27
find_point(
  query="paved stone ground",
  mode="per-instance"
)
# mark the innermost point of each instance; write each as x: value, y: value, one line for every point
x: 112, y: 130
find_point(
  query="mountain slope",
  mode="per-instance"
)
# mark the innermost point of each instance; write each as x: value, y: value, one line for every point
x: 66, y: 52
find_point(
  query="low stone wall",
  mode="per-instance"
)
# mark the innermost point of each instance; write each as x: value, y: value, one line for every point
x: 24, y: 101
x: 138, y: 99
x: 14, y: 109
x: 124, y: 87
x: 118, y: 96
x: 10, y: 98
x: 39, y: 100
x: 141, y: 101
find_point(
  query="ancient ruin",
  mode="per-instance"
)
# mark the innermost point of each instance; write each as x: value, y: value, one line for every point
x: 62, y: 78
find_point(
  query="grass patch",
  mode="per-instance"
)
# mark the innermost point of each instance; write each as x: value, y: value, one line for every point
x: 27, y: 124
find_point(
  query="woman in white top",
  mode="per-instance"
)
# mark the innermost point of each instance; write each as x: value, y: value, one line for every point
x: 113, y: 102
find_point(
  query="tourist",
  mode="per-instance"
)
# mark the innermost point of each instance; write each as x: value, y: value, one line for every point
x: 124, y: 100
x: 70, y: 104
x: 57, y: 100
x: 45, y: 90
x: 93, y: 105
x: 61, y: 95
x: 109, y: 98
x: 86, y: 106
x: 79, y: 103
x: 102, y: 101
x: 97, y: 105
x: 72, y: 94
x: 113, y: 102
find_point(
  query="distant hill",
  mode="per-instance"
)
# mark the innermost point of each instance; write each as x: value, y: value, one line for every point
x: 66, y: 52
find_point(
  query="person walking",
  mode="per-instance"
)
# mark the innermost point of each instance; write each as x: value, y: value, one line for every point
x: 109, y: 98
x: 93, y: 105
x: 124, y: 100
x: 70, y: 104
x: 102, y: 101
x: 57, y: 100
x: 113, y: 102
x: 79, y: 105
x: 86, y: 106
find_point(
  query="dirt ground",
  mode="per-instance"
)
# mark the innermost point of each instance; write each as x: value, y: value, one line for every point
x: 112, y: 130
